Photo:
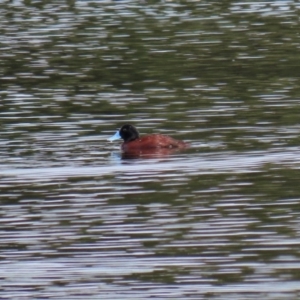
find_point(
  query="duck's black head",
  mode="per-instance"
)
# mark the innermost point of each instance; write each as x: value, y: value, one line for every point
x: 129, y: 133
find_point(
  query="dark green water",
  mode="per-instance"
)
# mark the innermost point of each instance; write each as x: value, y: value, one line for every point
x: 219, y: 221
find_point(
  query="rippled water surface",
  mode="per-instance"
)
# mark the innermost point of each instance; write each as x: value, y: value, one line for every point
x: 81, y: 220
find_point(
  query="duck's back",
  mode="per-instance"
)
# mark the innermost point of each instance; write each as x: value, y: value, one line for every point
x: 152, y: 141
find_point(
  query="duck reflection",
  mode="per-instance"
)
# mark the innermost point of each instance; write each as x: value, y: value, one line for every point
x: 150, y: 153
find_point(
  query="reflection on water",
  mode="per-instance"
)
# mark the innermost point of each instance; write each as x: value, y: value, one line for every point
x: 218, y: 220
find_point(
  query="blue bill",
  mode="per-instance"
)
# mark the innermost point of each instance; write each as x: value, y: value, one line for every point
x: 116, y: 136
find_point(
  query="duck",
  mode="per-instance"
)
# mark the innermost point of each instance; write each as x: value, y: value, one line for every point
x: 133, y: 142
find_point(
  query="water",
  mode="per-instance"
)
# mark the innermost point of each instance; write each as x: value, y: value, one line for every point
x: 80, y: 220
